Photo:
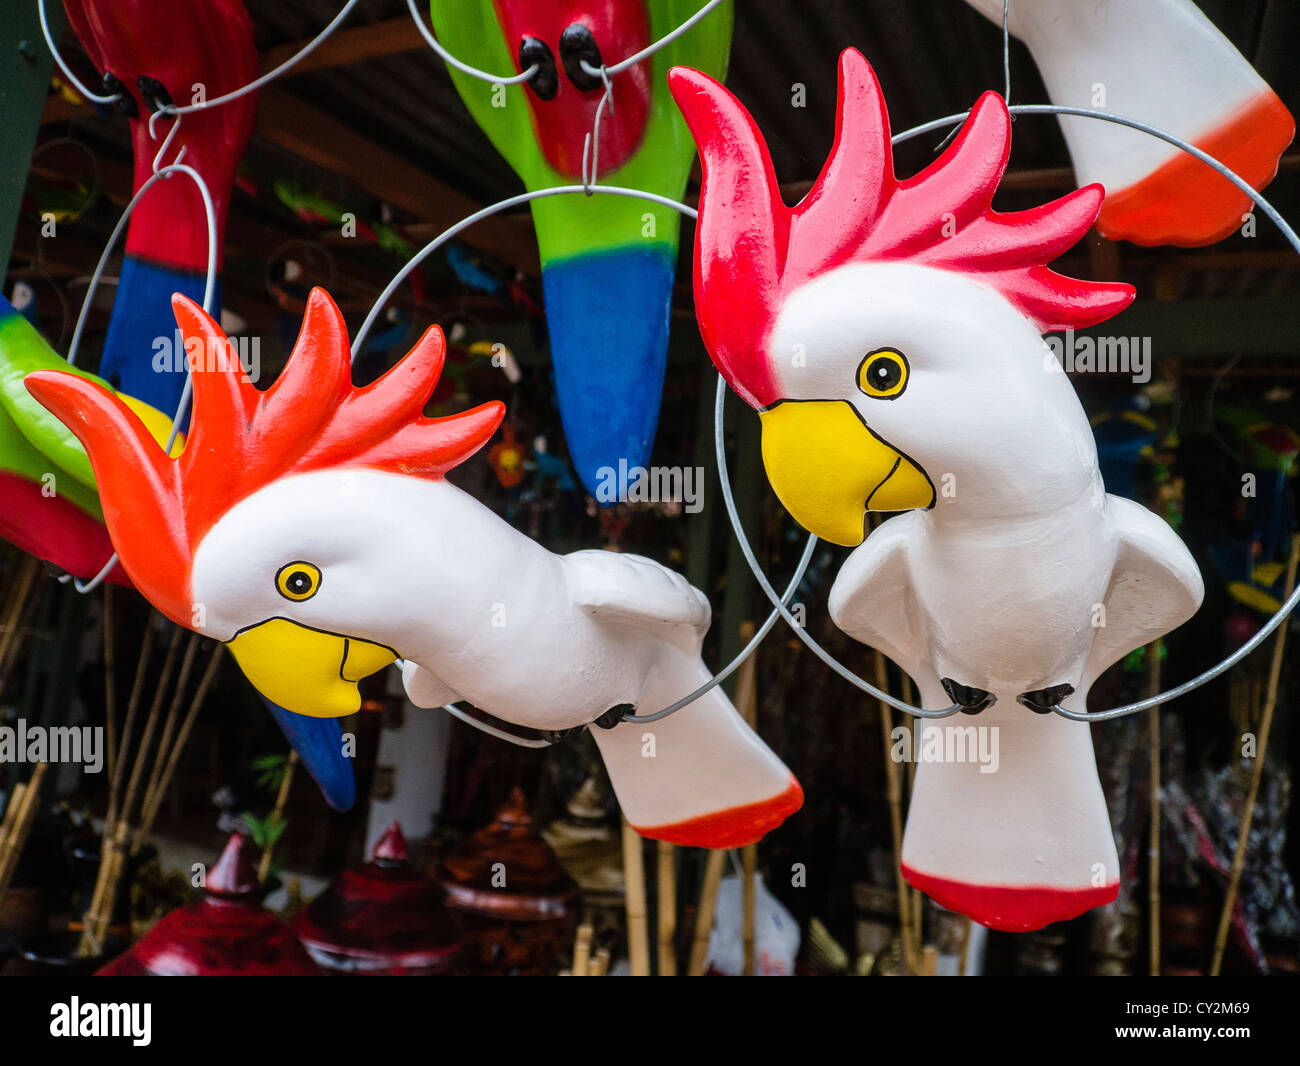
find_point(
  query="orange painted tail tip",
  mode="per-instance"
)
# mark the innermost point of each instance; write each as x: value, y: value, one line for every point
x: 733, y: 827
x: 1184, y: 202
x: 1011, y: 908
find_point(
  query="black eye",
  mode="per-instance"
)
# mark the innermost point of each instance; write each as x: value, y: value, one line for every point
x: 883, y: 374
x: 578, y: 46
x: 298, y: 581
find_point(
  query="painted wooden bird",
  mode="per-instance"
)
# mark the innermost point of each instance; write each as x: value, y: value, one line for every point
x: 889, y: 334
x: 310, y: 527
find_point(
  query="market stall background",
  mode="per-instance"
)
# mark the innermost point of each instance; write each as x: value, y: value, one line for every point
x: 371, y: 125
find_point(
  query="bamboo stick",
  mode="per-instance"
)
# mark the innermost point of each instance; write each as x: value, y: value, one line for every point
x: 638, y: 941
x: 182, y: 738
x: 1153, y: 846
x: 666, y: 909
x: 110, y: 683
x: 713, y: 866
x: 599, y: 965
x: 16, y: 601
x: 115, y: 843
x: 893, y: 790
x: 13, y: 812
x: 964, y: 956
x: 1248, y: 812
x: 24, y: 819
x: 128, y: 726
x: 747, y: 702
x: 277, y: 816
x: 169, y: 729
x: 582, y: 951
x: 17, y: 611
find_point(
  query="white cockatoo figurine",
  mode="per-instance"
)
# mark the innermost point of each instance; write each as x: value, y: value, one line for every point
x: 889, y: 334
x: 310, y: 527
x: 1164, y: 63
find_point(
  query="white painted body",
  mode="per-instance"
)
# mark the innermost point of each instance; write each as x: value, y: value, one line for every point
x: 480, y: 612
x: 1160, y: 61
x: 999, y: 585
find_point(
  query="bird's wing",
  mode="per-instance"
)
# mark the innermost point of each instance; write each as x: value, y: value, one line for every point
x: 631, y: 588
x: 1155, y: 586
x: 423, y: 687
x: 871, y: 597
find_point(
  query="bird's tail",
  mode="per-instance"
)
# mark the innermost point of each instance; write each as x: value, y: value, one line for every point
x: 1007, y: 823
x: 700, y: 777
x: 1165, y: 63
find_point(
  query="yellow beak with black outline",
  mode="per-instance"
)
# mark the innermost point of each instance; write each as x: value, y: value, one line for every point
x: 829, y: 469
x: 307, y: 671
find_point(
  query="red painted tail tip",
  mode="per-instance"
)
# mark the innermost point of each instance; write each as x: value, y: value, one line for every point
x: 1011, y: 908
x: 733, y: 827
x: 1187, y: 204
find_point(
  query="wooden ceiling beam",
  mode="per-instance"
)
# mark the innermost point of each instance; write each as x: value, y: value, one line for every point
x: 324, y: 141
x: 347, y: 46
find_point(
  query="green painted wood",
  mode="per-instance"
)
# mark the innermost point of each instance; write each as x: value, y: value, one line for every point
x: 25, y: 66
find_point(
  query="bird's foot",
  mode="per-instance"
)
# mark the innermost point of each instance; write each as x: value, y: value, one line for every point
x: 970, y: 700
x: 1045, y: 700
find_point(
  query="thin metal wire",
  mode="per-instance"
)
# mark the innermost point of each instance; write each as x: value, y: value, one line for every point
x: 651, y: 49
x: 359, y: 342
x: 644, y: 719
x: 486, y: 212
x: 270, y: 75
x: 463, y: 67
x: 209, y: 290
x: 591, y: 140
x: 1006, y: 51
x: 728, y: 499
x: 72, y: 79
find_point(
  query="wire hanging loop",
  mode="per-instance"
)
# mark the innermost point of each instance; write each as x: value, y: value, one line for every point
x: 358, y: 343
x: 162, y: 149
x: 465, y: 68
x: 209, y: 291
x: 592, y: 140
x: 64, y: 69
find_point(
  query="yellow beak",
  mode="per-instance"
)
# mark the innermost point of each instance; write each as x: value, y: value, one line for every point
x: 829, y: 469
x: 307, y: 671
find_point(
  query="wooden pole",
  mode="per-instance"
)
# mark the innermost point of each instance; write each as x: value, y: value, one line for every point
x: 713, y: 866
x: 1248, y: 812
x: 747, y: 703
x: 893, y: 790
x: 15, y: 610
x: 638, y: 940
x: 277, y: 812
x: 1153, y: 845
x: 582, y: 951
x: 110, y: 683
x: 24, y: 818
x: 182, y: 738
x: 666, y: 909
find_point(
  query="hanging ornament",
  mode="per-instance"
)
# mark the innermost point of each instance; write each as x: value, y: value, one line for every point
x: 49, y: 506
x: 515, y: 901
x: 161, y: 52
x: 227, y: 933
x: 1164, y: 63
x: 889, y: 335
x: 381, y: 919
x: 295, y: 526
x: 607, y: 261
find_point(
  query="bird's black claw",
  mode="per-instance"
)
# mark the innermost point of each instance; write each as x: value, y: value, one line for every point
x: 970, y: 700
x: 1045, y: 700
x: 614, y: 715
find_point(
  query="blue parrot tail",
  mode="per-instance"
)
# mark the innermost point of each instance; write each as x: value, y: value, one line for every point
x: 319, y: 744
x: 607, y: 313
x: 142, y: 356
